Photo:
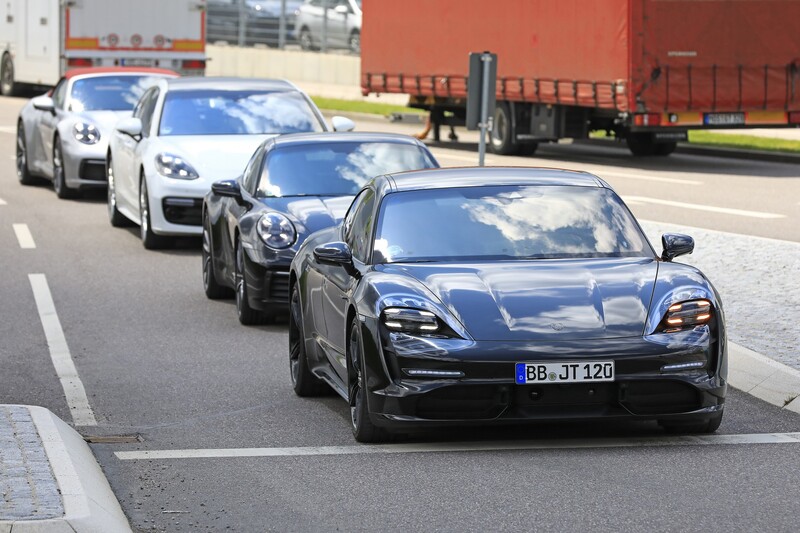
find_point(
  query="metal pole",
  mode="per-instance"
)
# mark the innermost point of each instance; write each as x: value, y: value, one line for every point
x: 282, y: 27
x: 485, y: 125
x: 325, y: 5
x: 242, y: 21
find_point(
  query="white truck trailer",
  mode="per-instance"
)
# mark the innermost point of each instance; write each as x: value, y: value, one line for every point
x: 41, y: 39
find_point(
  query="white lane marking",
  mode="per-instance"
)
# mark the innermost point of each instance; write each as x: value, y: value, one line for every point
x: 556, y: 444
x: 82, y: 414
x: 3, y: 202
x: 24, y: 236
x: 8, y: 129
x: 700, y: 207
x: 644, y: 177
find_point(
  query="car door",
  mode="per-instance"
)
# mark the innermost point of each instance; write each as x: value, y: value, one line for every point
x: 126, y: 162
x: 340, y: 282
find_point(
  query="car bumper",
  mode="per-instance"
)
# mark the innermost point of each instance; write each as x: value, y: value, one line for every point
x: 266, y: 273
x: 85, y: 164
x: 486, y: 391
x: 176, y: 206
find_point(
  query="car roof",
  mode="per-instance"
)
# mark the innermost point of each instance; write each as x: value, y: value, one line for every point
x: 91, y: 71
x: 294, y: 139
x: 230, y: 84
x: 442, y: 178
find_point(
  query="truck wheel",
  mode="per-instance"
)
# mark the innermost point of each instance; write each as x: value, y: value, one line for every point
x: 7, y: 86
x: 527, y: 148
x: 641, y: 144
x: 501, y: 140
x: 664, y: 149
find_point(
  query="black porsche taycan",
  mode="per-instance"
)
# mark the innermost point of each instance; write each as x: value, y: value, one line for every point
x: 293, y: 186
x: 483, y: 295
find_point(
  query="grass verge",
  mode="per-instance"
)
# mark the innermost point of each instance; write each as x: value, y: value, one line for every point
x: 358, y: 106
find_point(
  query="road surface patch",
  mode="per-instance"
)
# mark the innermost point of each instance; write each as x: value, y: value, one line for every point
x: 700, y: 207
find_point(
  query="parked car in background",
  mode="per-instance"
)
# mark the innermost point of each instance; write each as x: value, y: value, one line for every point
x: 261, y: 20
x: 329, y: 24
x: 189, y: 132
x: 503, y: 295
x: 63, y: 135
x: 293, y: 186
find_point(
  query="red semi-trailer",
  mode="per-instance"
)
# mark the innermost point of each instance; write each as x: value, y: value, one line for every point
x: 646, y: 70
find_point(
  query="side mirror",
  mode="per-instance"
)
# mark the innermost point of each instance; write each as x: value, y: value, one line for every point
x: 342, y: 124
x: 675, y: 244
x: 43, y: 103
x: 334, y: 253
x: 130, y: 126
x: 228, y: 188
x: 341, y: 9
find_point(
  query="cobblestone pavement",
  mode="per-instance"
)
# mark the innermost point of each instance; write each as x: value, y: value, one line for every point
x: 27, y: 486
x: 759, y: 282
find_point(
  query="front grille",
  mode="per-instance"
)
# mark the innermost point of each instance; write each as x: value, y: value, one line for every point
x: 185, y: 211
x: 92, y: 169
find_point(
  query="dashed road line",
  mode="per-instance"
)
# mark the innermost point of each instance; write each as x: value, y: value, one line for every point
x: 82, y: 414
x: 24, y: 236
x: 700, y: 207
x: 556, y: 444
x: 3, y: 202
x: 8, y: 129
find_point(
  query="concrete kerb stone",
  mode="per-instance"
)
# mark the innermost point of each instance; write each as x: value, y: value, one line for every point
x: 89, y: 503
x: 764, y: 378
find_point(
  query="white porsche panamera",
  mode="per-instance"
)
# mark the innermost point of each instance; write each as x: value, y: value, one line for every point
x: 186, y: 133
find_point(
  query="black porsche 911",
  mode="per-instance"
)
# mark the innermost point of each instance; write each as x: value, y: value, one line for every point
x: 480, y: 295
x: 293, y: 186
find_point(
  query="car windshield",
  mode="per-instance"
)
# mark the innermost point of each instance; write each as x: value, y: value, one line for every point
x: 335, y: 168
x: 108, y: 93
x: 506, y: 222
x: 247, y: 112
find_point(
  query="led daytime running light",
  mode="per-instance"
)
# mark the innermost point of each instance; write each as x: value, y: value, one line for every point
x: 687, y: 314
x: 410, y: 320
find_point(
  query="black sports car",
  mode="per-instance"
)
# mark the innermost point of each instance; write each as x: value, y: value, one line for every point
x: 293, y: 186
x: 503, y: 295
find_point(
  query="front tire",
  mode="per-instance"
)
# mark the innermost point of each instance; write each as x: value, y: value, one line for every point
x: 212, y: 288
x: 23, y: 174
x: 59, y: 179
x: 150, y: 240
x: 304, y: 383
x: 247, y: 315
x: 640, y: 144
x: 361, y: 424
x: 116, y: 218
x: 7, y: 85
x: 502, y: 139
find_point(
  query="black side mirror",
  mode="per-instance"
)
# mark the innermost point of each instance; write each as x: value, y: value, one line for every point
x: 675, y: 244
x: 228, y: 188
x: 334, y: 253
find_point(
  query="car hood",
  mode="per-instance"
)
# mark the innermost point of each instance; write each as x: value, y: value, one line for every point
x: 544, y: 300
x: 313, y: 213
x: 214, y: 157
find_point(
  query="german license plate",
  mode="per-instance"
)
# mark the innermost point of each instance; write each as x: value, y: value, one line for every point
x: 566, y: 372
x: 723, y: 119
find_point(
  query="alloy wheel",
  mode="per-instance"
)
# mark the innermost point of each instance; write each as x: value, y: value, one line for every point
x: 22, y: 155
x: 144, y: 211
x: 112, y: 193
x: 206, y: 255
x: 58, y: 169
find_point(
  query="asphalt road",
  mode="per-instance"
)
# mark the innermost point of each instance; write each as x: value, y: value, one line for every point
x: 163, y: 365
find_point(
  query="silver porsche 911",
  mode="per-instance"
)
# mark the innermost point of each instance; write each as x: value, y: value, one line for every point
x: 63, y: 135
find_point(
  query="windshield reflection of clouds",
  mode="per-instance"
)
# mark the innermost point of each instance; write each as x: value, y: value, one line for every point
x: 336, y: 168
x: 109, y: 93
x: 508, y: 222
x: 237, y: 113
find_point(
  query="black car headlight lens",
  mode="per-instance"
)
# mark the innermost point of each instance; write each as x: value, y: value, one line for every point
x: 413, y: 321
x: 685, y: 315
x: 86, y: 133
x: 173, y: 166
x: 276, y: 231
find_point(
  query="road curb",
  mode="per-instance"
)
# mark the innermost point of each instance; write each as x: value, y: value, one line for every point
x: 89, y: 503
x: 764, y: 378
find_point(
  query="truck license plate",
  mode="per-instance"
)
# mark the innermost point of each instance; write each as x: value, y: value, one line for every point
x: 566, y: 372
x: 723, y: 119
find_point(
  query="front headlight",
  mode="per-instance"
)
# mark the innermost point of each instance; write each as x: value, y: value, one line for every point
x: 86, y: 133
x: 173, y: 166
x: 685, y: 315
x: 412, y: 321
x: 276, y: 231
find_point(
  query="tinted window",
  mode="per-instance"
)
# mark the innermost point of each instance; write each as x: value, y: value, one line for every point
x: 360, y: 231
x: 148, y: 107
x: 112, y: 93
x: 215, y: 112
x: 507, y: 222
x: 253, y: 170
x: 335, y: 168
x: 59, y: 93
